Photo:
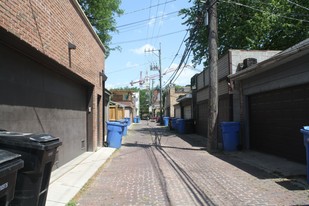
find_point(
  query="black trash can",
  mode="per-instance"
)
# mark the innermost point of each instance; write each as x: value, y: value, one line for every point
x: 9, y: 164
x: 38, y: 151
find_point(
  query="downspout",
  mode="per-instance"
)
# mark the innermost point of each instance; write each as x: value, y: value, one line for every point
x: 104, y: 78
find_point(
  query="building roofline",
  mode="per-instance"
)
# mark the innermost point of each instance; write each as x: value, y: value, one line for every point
x: 88, y: 24
x: 117, y: 103
x: 185, y: 97
x: 285, y: 56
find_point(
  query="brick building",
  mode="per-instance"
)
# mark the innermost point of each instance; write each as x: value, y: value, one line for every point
x: 51, y: 74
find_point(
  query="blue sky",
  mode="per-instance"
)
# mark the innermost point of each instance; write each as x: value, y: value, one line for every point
x: 145, y: 25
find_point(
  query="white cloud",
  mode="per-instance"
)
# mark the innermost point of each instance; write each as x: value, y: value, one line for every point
x: 130, y: 64
x: 142, y: 49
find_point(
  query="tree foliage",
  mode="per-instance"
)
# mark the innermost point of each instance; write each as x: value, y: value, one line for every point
x: 144, y: 101
x: 101, y: 14
x: 248, y: 24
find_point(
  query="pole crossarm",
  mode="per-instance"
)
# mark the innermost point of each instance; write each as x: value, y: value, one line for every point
x: 160, y: 76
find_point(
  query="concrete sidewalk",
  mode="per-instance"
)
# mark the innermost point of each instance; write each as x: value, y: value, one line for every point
x: 68, y: 180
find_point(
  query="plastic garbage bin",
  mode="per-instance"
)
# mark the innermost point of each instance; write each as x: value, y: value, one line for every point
x: 305, y: 132
x: 38, y: 151
x: 230, y: 135
x: 165, y: 120
x: 114, y: 134
x: 138, y: 119
x: 9, y: 164
x: 128, y: 119
x: 174, y: 123
x: 135, y: 119
x: 125, y: 128
x: 180, y: 126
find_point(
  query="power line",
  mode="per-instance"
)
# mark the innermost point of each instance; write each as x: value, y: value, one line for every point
x: 161, y: 18
x: 155, y: 21
x: 250, y: 7
x: 298, y: 5
x: 188, y: 55
x: 149, y: 13
x: 143, y: 9
x: 177, y: 54
x: 144, y: 20
x: 136, y: 40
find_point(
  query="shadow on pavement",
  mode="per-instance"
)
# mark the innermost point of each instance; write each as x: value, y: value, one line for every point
x: 258, y: 165
x: 290, y: 182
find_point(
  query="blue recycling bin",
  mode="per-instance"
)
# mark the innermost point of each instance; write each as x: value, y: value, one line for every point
x: 305, y: 132
x: 181, y: 126
x: 128, y: 119
x: 230, y: 135
x: 135, y: 119
x: 125, y: 129
x: 165, y: 120
x: 114, y: 134
x: 174, y: 123
x: 138, y: 119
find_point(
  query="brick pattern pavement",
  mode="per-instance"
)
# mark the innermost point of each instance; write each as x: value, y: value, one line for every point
x: 156, y: 167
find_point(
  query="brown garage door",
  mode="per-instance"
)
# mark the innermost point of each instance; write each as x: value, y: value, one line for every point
x: 202, y: 119
x: 275, y: 120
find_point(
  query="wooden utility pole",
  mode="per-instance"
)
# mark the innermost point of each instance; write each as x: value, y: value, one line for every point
x: 213, y: 76
x: 160, y: 78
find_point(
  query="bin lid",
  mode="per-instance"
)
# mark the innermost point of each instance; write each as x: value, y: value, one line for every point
x: 115, y: 124
x: 9, y: 163
x: 29, y: 140
x: 230, y: 123
x: 306, y: 127
x: 304, y: 131
x: 6, y: 156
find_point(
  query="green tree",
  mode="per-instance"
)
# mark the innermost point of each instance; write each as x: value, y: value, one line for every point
x: 249, y: 24
x: 101, y: 14
x: 144, y: 102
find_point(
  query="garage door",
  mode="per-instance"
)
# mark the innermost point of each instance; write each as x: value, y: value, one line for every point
x: 187, y: 112
x: 202, y: 119
x: 275, y: 120
x: 35, y: 99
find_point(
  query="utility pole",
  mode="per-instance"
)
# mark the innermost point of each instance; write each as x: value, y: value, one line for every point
x: 213, y: 76
x: 160, y: 76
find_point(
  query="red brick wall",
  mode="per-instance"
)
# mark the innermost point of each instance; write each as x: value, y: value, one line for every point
x: 48, y: 26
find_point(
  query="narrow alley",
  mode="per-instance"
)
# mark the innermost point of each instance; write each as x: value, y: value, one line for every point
x: 156, y: 167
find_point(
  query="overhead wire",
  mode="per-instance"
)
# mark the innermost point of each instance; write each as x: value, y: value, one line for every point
x: 136, y: 40
x: 253, y: 8
x: 155, y: 22
x: 163, y: 13
x: 177, y: 54
x: 144, y: 20
x: 182, y: 67
x: 298, y: 5
x: 151, y: 6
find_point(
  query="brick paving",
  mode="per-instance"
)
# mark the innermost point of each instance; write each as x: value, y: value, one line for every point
x: 156, y: 167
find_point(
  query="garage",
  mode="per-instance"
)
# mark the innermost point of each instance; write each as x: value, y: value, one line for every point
x: 202, y: 118
x: 36, y: 99
x: 275, y: 120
